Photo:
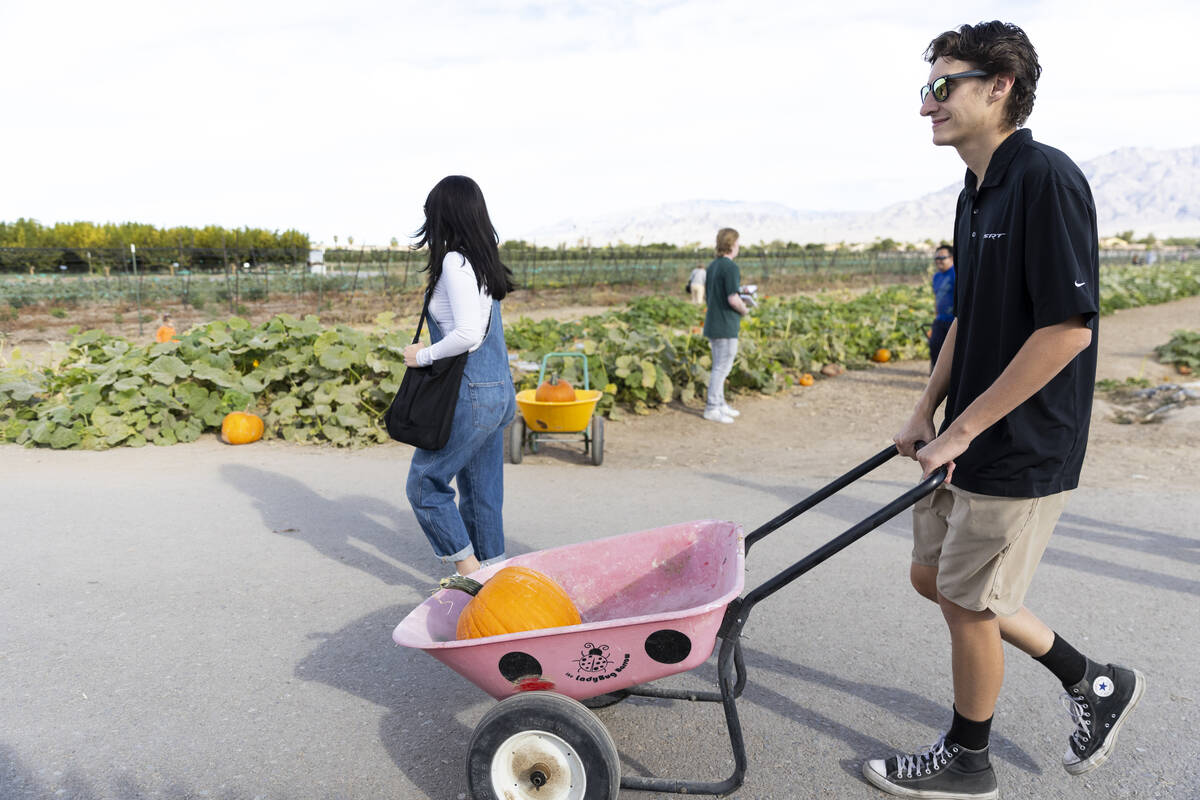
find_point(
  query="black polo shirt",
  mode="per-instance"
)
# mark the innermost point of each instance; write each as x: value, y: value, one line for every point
x: 1027, y: 256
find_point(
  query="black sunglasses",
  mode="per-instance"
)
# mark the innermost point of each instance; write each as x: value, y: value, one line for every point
x: 940, y: 88
x: 940, y: 258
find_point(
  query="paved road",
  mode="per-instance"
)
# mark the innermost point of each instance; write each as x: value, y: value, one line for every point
x: 205, y: 621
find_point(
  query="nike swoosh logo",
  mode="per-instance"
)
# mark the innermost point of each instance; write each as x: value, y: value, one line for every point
x: 1079, y: 283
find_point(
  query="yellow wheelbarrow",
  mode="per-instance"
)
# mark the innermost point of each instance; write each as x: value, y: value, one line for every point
x: 541, y: 421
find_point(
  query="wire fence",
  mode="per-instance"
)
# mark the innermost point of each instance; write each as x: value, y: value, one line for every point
x: 198, y: 276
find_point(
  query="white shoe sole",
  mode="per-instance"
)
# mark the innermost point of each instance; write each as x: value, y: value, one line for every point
x: 879, y: 780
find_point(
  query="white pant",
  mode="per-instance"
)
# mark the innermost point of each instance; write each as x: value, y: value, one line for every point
x: 723, y: 352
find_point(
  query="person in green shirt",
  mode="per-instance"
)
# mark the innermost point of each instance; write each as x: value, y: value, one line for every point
x: 722, y: 320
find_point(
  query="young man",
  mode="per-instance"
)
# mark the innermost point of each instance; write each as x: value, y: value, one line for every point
x: 722, y: 320
x: 943, y: 300
x: 1017, y: 372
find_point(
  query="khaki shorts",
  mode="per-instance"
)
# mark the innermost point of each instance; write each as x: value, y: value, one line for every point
x: 985, y: 548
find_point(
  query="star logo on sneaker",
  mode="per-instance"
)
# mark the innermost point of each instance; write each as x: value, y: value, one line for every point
x: 1102, y: 686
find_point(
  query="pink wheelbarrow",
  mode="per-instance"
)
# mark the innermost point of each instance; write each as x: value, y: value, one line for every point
x: 653, y: 603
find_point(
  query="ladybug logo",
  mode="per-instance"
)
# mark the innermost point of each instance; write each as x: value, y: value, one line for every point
x: 593, y: 658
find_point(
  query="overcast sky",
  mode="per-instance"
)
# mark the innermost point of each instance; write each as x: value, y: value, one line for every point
x: 339, y: 118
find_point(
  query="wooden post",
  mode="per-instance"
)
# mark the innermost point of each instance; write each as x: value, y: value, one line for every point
x: 358, y: 265
x: 533, y: 271
x: 137, y: 285
x: 225, y: 261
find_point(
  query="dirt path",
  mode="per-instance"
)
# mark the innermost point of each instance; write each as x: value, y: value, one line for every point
x: 810, y: 430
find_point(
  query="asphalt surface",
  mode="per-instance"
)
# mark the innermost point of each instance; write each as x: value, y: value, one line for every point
x: 204, y: 621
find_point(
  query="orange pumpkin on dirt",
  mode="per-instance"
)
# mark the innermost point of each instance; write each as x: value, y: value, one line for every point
x: 514, y: 599
x: 554, y: 391
x: 166, y: 331
x: 241, y: 427
x: 806, y: 379
x: 882, y: 356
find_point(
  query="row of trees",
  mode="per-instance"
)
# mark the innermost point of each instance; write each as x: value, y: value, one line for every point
x: 110, y: 235
x: 1150, y: 240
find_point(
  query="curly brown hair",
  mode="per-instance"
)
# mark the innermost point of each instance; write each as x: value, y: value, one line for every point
x: 995, y: 47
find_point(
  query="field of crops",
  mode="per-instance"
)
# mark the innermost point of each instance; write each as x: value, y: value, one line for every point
x: 346, y: 272
x: 314, y: 383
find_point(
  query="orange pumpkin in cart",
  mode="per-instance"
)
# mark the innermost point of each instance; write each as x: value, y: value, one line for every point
x: 554, y: 391
x: 514, y: 599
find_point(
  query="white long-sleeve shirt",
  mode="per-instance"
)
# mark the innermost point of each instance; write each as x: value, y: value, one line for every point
x: 461, y: 309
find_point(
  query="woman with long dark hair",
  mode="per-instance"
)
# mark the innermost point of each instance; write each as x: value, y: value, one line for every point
x: 466, y: 283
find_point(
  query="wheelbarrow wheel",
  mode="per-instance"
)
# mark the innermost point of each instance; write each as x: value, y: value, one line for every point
x: 516, y: 439
x: 541, y: 744
x: 597, y: 440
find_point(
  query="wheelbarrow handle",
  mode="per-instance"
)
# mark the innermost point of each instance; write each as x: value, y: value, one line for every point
x: 547, y: 356
x: 739, y: 609
x: 825, y: 492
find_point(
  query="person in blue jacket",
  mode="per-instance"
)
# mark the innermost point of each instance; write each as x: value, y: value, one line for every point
x: 943, y: 300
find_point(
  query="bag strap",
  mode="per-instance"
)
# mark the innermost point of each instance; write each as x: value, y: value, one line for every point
x: 424, y: 311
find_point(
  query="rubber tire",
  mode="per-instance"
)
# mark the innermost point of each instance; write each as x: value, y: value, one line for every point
x: 516, y: 440
x: 605, y: 700
x: 597, y: 440
x: 555, y: 714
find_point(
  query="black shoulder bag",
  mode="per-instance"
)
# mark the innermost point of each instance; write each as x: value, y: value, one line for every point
x: 422, y: 411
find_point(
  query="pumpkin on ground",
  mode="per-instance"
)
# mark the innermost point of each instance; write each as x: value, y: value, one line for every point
x: 166, y: 331
x: 806, y: 379
x: 241, y: 427
x: 514, y: 599
x: 554, y: 391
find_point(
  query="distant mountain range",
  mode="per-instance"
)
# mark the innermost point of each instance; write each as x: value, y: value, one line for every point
x: 1140, y: 189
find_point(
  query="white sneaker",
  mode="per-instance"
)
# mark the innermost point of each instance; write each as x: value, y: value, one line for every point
x: 717, y: 415
x: 731, y: 412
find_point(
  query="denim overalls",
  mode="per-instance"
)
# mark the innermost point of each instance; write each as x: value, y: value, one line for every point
x: 473, y: 456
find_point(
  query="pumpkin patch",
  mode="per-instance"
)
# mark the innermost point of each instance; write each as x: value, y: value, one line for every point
x: 514, y: 599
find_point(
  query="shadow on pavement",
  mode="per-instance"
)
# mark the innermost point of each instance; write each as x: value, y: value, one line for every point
x: 358, y: 531
x: 18, y: 782
x: 420, y: 731
x: 898, y: 701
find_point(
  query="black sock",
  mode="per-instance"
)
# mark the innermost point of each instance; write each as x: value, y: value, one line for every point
x: 969, y: 733
x: 1067, y: 663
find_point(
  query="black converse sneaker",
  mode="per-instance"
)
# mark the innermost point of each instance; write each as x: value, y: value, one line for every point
x: 945, y: 771
x: 1098, y: 705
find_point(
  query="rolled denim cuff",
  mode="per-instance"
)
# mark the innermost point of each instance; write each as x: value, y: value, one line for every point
x: 460, y: 555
